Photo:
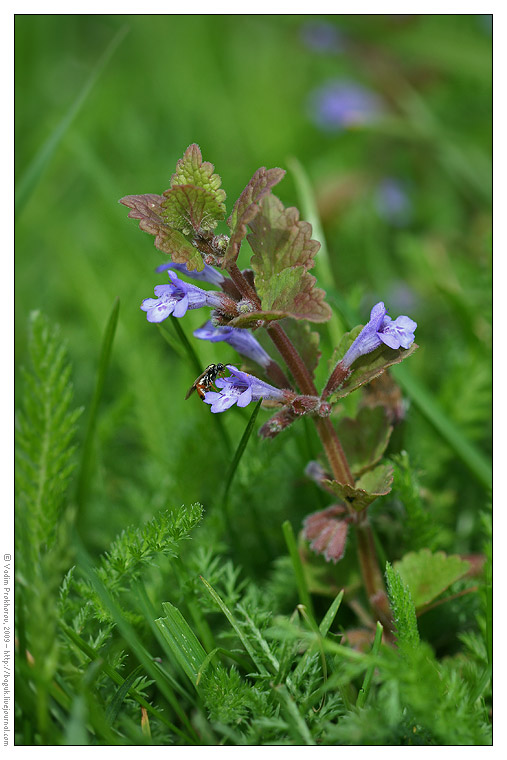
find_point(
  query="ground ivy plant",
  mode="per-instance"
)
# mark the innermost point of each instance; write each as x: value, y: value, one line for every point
x: 278, y: 286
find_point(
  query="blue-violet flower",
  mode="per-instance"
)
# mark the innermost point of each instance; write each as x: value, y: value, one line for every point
x: 239, y: 338
x: 208, y: 274
x: 393, y: 202
x: 176, y: 298
x: 340, y: 104
x: 398, y: 333
x: 322, y: 37
x: 242, y: 388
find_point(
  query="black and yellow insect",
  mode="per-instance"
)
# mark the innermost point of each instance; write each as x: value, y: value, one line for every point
x: 205, y: 380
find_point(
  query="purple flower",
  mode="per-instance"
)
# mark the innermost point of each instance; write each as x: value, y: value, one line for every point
x: 208, y: 274
x: 322, y: 37
x: 176, y: 298
x: 341, y: 104
x: 240, y: 339
x: 398, y: 333
x: 392, y: 201
x: 242, y: 388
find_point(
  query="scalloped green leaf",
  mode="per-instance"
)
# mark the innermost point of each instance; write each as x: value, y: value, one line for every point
x: 367, y: 367
x: 283, y: 251
x: 191, y: 209
x: 370, y: 486
x: 247, y: 207
x: 148, y: 209
x: 427, y: 575
x: 194, y: 200
x: 365, y: 438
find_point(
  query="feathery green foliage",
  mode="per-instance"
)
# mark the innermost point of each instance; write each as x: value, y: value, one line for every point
x: 403, y: 610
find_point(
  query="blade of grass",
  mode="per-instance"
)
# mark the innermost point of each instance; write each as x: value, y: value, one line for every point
x: 198, y: 368
x: 185, y: 647
x: 115, y: 677
x: 293, y: 716
x: 104, y: 359
x: 129, y: 634
x: 240, y: 450
x: 323, y: 270
x: 469, y: 454
x: 120, y: 694
x: 235, y: 625
x: 304, y: 594
x: 327, y: 620
x: 35, y: 169
x: 189, y: 349
x: 365, y: 690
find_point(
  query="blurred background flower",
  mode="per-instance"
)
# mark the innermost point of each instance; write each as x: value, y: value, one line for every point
x: 393, y: 201
x: 322, y: 37
x: 343, y: 104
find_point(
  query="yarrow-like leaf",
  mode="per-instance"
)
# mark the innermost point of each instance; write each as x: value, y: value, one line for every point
x: 283, y: 252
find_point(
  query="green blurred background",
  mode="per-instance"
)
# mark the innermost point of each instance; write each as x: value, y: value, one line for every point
x: 242, y: 87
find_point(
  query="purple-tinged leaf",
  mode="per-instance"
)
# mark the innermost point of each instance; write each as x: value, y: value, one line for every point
x: 247, y: 207
x: 283, y: 251
x: 384, y: 392
x: 148, y: 209
x: 369, y: 487
x: 327, y: 532
x: 365, y: 438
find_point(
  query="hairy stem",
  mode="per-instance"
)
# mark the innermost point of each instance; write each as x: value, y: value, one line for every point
x: 243, y: 285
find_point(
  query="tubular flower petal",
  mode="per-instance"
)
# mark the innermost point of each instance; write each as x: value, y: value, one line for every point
x: 240, y: 339
x: 176, y: 299
x: 242, y: 388
x: 397, y: 333
x: 208, y: 274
